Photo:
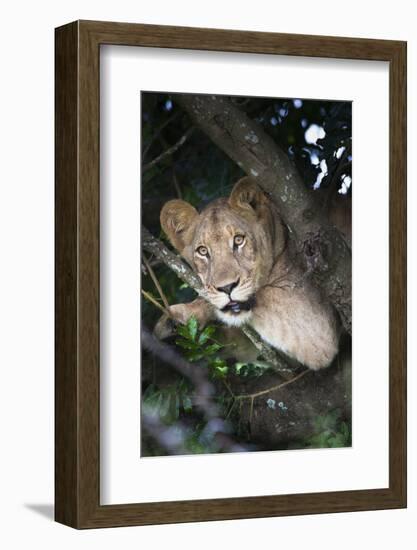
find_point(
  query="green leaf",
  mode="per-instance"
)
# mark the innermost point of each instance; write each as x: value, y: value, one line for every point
x: 217, y: 362
x: 206, y: 334
x: 164, y: 409
x: 253, y: 369
x: 344, y: 428
x: 319, y: 440
x: 333, y: 417
x: 185, y: 344
x: 195, y: 355
x: 192, y: 326
x: 338, y: 440
x: 212, y: 348
x: 220, y: 372
x: 150, y: 390
x: 187, y: 403
x: 183, y: 331
x: 239, y: 367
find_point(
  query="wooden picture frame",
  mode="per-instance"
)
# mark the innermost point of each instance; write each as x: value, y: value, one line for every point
x: 77, y: 404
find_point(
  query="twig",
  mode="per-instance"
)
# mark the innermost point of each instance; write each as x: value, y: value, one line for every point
x: 229, y: 389
x: 253, y: 396
x: 169, y: 151
x: 230, y: 409
x: 252, y: 399
x: 272, y: 388
x: 176, y: 185
x: 158, y: 132
x: 155, y: 303
x: 156, y: 282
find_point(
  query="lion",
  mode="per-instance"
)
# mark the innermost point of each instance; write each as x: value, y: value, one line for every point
x: 238, y: 246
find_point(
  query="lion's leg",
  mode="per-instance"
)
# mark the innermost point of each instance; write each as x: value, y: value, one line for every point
x: 181, y: 313
x: 299, y: 323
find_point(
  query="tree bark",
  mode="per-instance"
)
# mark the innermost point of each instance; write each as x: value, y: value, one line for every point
x: 319, y: 246
x: 154, y: 246
x: 288, y: 414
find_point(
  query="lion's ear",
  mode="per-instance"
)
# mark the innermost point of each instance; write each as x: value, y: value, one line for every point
x: 247, y: 195
x: 177, y: 218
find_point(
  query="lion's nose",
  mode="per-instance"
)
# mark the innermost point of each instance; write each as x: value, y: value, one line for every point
x: 227, y: 289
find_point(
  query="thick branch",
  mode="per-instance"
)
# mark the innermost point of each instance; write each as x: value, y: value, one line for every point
x: 157, y: 248
x: 320, y: 246
x: 154, y: 246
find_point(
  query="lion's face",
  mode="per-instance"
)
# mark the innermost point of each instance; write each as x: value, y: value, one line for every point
x: 232, y: 245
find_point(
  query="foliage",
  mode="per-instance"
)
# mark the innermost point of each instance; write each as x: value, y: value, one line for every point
x: 330, y: 430
x: 173, y: 406
x: 167, y: 402
x: 200, y: 345
x: 253, y: 369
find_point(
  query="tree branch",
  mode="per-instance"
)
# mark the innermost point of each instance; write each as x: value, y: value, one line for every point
x: 270, y: 355
x: 156, y: 282
x: 170, y: 151
x: 320, y: 246
x: 158, y: 133
x: 157, y: 248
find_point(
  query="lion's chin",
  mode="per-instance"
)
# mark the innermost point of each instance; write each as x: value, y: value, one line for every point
x: 233, y: 319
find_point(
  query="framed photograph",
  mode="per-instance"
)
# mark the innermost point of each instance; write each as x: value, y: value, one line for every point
x: 230, y: 274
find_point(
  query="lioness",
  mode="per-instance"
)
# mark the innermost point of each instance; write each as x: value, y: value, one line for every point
x: 238, y: 247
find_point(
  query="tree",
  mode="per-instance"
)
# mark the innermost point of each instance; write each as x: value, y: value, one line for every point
x: 275, y: 159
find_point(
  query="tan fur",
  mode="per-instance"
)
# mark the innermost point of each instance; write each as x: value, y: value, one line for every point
x: 287, y: 310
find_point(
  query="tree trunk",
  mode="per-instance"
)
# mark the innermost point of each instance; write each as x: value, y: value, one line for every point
x: 289, y: 414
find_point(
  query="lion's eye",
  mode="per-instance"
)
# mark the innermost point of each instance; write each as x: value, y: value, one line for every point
x: 202, y: 250
x: 238, y: 240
